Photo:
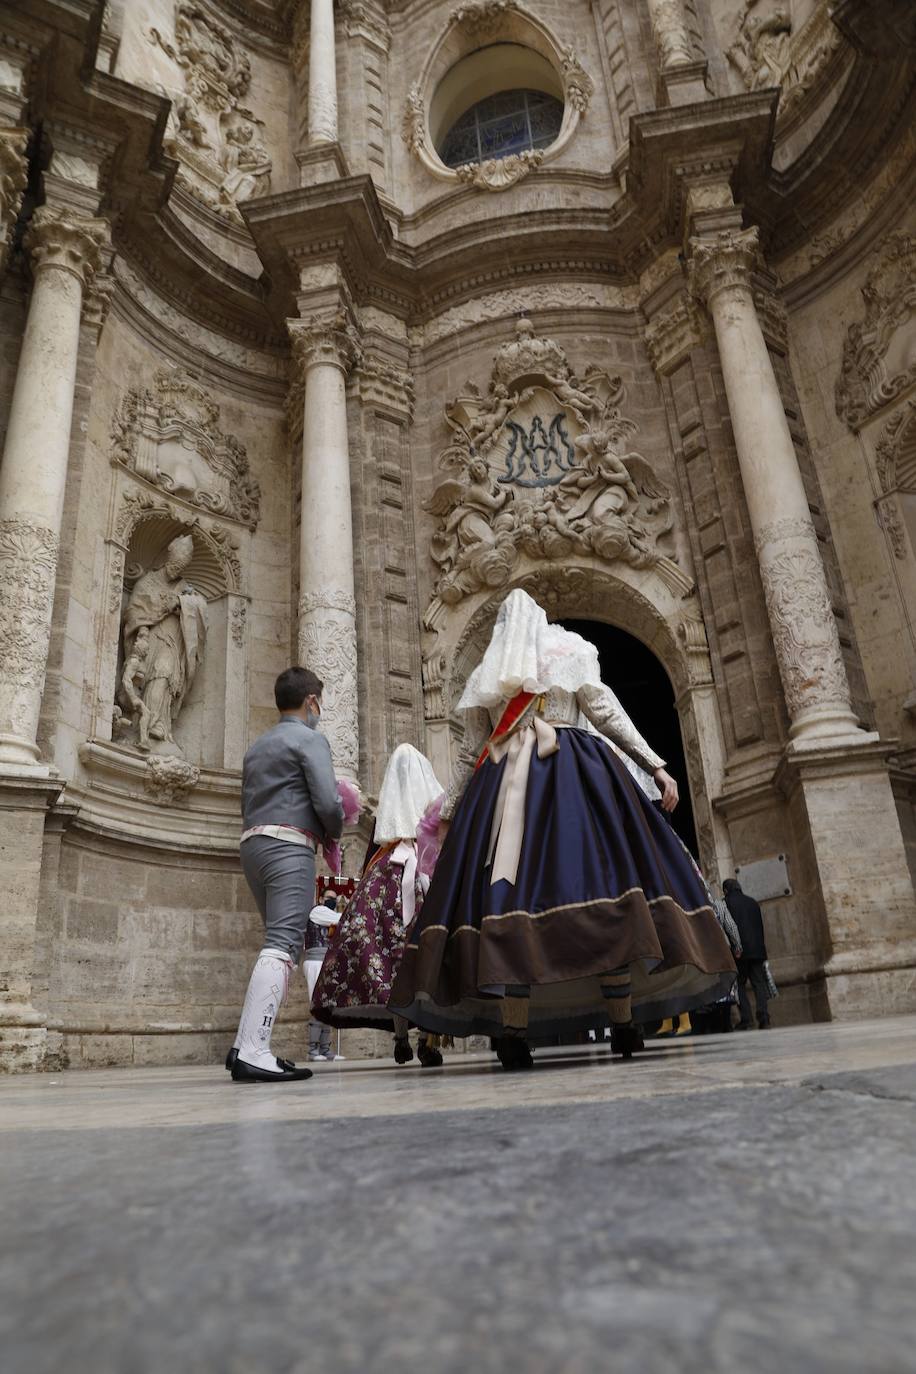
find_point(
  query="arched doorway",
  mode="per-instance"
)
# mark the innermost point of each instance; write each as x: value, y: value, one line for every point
x: 637, y: 677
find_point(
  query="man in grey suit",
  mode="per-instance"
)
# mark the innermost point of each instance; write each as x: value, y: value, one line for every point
x: 290, y: 805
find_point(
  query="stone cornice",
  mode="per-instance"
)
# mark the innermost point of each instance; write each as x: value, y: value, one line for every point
x: 671, y: 334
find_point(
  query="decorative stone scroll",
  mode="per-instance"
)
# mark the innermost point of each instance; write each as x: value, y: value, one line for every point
x: 540, y: 467
x: 169, y: 435
x: 169, y: 780
x: 879, y: 354
x: 769, y: 50
x: 218, y: 143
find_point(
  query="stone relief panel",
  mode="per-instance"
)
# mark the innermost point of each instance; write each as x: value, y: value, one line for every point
x: 790, y: 45
x: 541, y: 467
x: 879, y: 353
x: 217, y: 141
x: 169, y: 435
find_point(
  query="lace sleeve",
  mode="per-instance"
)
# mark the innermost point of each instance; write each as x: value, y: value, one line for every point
x: 476, y: 734
x: 605, y: 712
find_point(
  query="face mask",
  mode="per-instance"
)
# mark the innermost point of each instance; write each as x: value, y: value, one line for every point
x: 312, y: 718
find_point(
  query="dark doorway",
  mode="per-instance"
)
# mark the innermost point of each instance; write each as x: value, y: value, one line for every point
x: 637, y: 678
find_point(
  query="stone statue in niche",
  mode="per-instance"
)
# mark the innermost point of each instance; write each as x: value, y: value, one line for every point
x: 246, y: 164
x: 164, y: 635
x: 760, y: 52
x: 540, y: 467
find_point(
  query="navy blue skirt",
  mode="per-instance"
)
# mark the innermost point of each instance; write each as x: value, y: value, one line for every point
x: 603, y: 882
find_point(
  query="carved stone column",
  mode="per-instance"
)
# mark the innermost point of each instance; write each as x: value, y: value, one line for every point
x: 66, y: 251
x: 13, y: 173
x: 681, y: 71
x: 801, y: 616
x: 326, y: 350
x: 322, y: 74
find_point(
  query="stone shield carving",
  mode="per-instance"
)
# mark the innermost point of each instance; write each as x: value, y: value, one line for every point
x: 169, y: 435
x: 541, y: 466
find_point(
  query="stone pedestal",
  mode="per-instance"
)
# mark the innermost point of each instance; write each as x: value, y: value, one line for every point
x: 66, y: 251
x: 24, y: 803
x: 326, y: 350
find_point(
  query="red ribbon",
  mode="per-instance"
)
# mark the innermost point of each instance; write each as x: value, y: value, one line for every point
x: 516, y: 708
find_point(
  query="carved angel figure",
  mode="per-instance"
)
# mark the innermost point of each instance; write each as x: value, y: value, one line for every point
x: 473, y: 546
x: 172, y: 614
x: 611, y: 501
x: 760, y: 52
x: 247, y: 165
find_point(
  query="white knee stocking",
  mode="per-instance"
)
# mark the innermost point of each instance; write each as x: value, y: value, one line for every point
x: 266, y: 994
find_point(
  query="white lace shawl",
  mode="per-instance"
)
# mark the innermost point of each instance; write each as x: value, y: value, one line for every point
x: 408, y: 788
x: 525, y: 654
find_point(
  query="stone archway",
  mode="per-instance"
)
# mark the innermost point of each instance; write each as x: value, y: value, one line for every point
x: 635, y: 600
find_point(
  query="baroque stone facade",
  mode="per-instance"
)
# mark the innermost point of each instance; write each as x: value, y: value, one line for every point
x: 286, y: 376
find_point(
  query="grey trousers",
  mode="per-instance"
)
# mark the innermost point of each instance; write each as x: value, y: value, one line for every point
x: 282, y: 880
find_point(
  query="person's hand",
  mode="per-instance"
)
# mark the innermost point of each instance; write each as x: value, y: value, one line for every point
x: 668, y: 788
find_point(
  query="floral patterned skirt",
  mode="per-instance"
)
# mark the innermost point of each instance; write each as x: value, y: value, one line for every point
x: 364, y: 953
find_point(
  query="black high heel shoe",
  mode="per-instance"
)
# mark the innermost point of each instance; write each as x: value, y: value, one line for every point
x: 513, y: 1052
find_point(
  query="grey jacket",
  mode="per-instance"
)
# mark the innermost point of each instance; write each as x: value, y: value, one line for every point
x: 288, y: 779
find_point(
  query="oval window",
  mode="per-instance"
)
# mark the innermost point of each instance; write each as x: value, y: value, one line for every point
x: 509, y: 122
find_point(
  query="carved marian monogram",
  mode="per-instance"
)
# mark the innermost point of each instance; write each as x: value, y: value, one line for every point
x: 541, y: 467
x: 879, y: 355
x: 218, y: 143
x: 169, y: 435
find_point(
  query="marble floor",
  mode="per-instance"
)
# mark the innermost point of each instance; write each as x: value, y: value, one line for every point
x: 741, y: 1202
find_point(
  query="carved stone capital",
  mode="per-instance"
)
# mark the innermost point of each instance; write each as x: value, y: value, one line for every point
x: 71, y: 243
x: 332, y: 340
x: 671, y: 334
x: 13, y: 175
x: 726, y: 260
x: 362, y: 20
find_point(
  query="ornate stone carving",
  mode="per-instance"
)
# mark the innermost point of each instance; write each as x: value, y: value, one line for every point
x: 13, y: 175
x: 482, y: 17
x: 724, y: 261
x: 325, y: 340
x: 169, y: 435
x: 169, y: 780
x: 363, y: 19
x: 669, y: 29
x: 164, y: 638
x: 540, y: 467
x: 497, y: 173
x: 804, y: 629
x: 774, y: 320
x: 237, y: 619
x: 692, y: 634
x: 327, y: 645
x: 895, y: 453
x: 672, y: 334
x: 380, y: 383
x: 434, y: 682
x: 769, y: 51
x: 879, y: 354
x: 218, y: 143
x: 216, y: 72
x: 28, y: 567
x: 73, y: 243
x: 578, y: 86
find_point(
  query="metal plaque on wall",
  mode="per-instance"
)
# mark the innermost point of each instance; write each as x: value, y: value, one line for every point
x: 765, y: 878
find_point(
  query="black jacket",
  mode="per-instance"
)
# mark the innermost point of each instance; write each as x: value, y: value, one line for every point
x: 748, y: 918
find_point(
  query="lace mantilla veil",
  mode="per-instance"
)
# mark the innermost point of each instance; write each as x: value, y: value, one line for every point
x: 408, y: 789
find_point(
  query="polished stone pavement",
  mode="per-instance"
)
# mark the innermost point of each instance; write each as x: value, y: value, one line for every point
x: 731, y: 1203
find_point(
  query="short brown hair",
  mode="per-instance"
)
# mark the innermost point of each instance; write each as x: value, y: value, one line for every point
x: 294, y: 685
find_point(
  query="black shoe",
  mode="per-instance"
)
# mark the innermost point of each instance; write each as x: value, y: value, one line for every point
x: 428, y: 1057
x: 763, y: 1025
x: 287, y: 1073
x: 402, y: 1052
x: 743, y: 1025
x: 513, y: 1052
x: 626, y: 1040
x: 231, y: 1057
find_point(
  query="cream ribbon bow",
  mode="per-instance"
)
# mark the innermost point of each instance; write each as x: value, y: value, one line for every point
x: 508, y: 828
x: 405, y: 854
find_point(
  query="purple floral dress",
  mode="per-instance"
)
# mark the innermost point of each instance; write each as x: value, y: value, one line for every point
x: 364, y: 952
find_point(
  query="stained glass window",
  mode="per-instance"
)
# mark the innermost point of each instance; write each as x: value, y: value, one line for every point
x: 510, y: 122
